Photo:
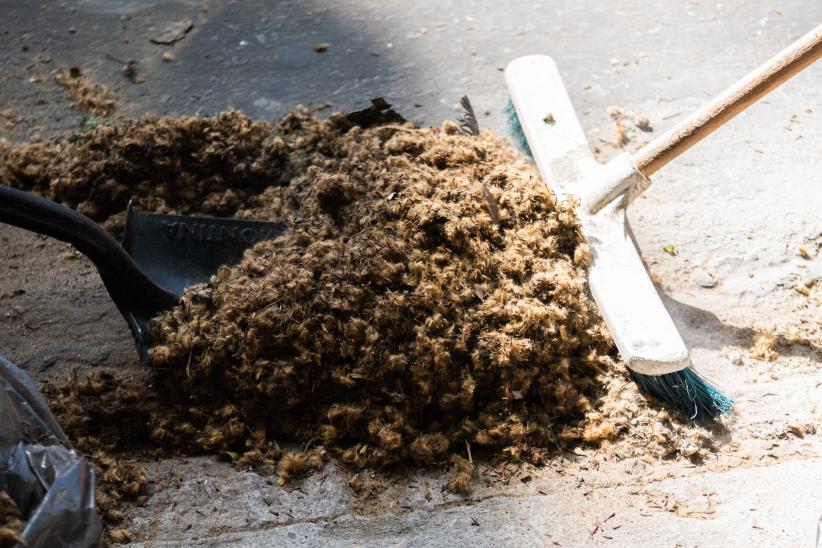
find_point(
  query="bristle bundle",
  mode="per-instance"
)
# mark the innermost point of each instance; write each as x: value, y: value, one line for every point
x: 687, y: 391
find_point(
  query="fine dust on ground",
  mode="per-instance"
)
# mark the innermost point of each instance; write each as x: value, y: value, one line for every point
x: 429, y: 300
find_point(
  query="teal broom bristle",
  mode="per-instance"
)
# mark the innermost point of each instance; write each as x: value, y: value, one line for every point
x: 515, y: 129
x: 687, y: 391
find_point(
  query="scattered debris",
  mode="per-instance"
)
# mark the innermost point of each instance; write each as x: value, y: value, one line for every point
x: 89, y: 97
x: 668, y: 502
x: 763, y: 346
x: 801, y: 429
x: 734, y: 355
x: 595, y: 526
x: 168, y: 57
x: 704, y: 278
x: 297, y: 463
x: 621, y: 131
x: 642, y: 123
x: 130, y: 70
x: 321, y: 47
x: 797, y: 430
x: 461, y: 475
x: 549, y: 119
x: 119, y: 536
x: 173, y: 32
x: 132, y: 74
x: 670, y: 250
x: 356, y: 482
x: 688, y: 448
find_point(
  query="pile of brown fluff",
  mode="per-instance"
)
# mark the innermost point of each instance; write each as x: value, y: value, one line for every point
x: 430, y: 292
x: 429, y: 296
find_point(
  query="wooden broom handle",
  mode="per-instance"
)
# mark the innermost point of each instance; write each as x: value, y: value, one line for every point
x: 731, y: 102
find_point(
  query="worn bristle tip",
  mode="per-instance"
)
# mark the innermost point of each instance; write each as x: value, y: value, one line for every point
x: 515, y: 129
x: 687, y: 391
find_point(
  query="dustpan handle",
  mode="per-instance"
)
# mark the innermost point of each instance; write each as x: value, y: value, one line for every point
x: 129, y: 287
x: 731, y: 102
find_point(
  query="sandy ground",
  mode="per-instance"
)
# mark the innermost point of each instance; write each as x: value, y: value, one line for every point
x: 736, y: 208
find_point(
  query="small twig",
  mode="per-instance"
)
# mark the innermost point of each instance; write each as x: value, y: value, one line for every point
x: 188, y: 365
x: 468, y: 447
x: 112, y: 58
x: 309, y: 443
x: 369, y: 227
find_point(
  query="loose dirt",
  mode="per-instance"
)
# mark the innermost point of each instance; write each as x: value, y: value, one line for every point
x: 88, y: 96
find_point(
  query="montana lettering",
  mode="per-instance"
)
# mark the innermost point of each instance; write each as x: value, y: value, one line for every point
x: 209, y: 232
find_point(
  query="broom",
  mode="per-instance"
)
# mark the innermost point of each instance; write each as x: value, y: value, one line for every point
x: 543, y: 123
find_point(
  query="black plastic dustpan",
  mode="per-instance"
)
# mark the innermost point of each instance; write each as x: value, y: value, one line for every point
x: 160, y: 255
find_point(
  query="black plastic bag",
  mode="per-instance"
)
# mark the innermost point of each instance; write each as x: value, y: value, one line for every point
x: 52, y: 486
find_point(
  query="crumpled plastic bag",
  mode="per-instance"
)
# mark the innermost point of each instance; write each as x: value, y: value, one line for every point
x: 52, y: 486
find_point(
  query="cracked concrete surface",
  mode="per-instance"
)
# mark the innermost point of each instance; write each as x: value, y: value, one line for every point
x: 736, y: 208
x: 748, y: 513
